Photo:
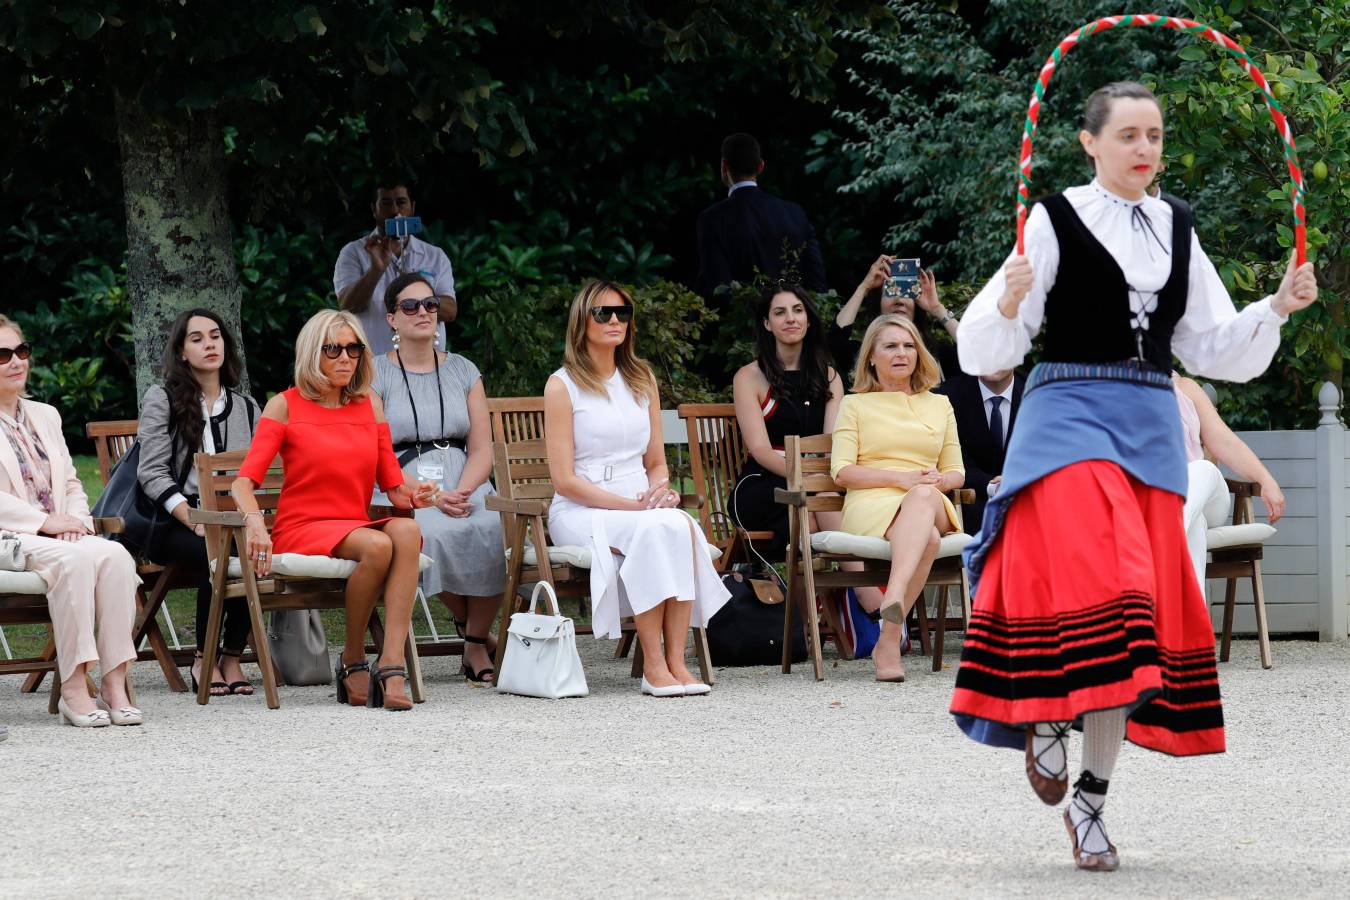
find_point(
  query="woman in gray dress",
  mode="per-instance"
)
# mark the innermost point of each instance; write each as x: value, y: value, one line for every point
x: 437, y: 411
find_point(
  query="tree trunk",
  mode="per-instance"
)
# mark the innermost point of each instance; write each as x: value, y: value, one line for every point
x: 180, y: 250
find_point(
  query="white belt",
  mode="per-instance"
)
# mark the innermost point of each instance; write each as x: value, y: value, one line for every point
x: 599, y: 474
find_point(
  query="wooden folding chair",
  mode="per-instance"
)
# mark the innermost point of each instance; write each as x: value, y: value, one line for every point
x: 1236, y: 551
x: 524, y: 490
x: 811, y: 489
x: 23, y: 601
x: 296, y: 582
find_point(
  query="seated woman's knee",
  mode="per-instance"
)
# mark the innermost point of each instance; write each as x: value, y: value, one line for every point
x: 405, y: 534
x: 925, y: 494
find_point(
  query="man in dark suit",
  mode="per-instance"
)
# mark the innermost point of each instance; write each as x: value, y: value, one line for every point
x: 986, y: 410
x: 752, y: 229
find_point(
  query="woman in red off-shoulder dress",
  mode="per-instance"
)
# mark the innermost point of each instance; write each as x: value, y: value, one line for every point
x: 335, y: 446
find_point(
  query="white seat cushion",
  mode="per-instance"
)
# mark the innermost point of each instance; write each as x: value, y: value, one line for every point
x: 22, y: 583
x: 1238, y: 535
x: 577, y: 556
x: 299, y: 565
x: 879, y: 548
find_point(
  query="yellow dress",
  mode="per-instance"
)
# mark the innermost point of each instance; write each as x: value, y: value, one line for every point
x: 892, y: 430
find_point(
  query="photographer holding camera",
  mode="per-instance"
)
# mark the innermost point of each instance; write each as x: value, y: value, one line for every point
x: 367, y: 265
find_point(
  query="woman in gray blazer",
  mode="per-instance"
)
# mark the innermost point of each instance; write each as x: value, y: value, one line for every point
x: 196, y: 409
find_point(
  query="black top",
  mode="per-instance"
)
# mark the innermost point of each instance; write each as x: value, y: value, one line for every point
x: 784, y: 415
x: 1088, y: 317
x: 754, y: 230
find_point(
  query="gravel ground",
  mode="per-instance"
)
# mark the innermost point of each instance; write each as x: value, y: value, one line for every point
x: 772, y: 786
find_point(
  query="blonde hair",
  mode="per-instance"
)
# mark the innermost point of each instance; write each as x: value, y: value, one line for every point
x: 322, y: 328
x: 577, y: 362
x: 927, y: 373
x: 7, y: 322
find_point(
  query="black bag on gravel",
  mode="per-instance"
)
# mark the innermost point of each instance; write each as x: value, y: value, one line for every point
x: 749, y: 632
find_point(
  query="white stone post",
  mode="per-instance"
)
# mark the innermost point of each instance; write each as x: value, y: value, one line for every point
x: 1331, y: 512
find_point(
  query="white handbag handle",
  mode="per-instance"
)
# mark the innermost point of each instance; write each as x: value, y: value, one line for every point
x: 553, y: 598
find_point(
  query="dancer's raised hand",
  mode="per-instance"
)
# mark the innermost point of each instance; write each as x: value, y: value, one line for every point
x: 1018, y: 278
x: 1297, y: 291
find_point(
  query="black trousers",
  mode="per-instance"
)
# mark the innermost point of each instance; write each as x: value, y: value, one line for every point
x: 182, y: 546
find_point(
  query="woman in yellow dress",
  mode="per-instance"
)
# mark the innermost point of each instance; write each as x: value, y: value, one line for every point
x: 896, y: 452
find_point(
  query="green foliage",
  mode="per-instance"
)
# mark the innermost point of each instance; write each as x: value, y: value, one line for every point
x: 82, y: 353
x: 516, y: 337
x: 1226, y: 156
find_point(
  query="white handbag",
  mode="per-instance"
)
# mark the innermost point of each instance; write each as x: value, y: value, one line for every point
x: 11, y: 553
x: 541, y: 653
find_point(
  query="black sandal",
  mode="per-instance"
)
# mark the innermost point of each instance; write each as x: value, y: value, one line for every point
x: 377, y: 697
x: 485, y: 675
x: 215, y: 688
x: 343, y: 671
x: 242, y: 688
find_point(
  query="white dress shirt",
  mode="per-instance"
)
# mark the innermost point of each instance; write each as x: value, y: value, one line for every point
x: 1212, y: 338
x: 749, y: 182
x: 1004, y: 409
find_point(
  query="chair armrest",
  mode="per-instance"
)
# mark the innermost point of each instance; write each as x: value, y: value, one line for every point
x: 963, y: 495
x: 789, y: 498
x: 691, y: 501
x: 519, y: 507
x: 388, y: 511
x: 228, y: 518
x: 108, y: 525
x: 1243, y: 488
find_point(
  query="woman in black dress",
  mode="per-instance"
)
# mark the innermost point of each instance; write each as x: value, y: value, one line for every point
x: 790, y: 388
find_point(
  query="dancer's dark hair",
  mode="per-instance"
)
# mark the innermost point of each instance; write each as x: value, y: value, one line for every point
x: 814, y: 363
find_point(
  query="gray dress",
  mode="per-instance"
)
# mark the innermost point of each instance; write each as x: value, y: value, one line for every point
x: 468, y: 551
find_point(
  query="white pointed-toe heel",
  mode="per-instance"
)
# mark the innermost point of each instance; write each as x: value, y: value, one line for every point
x: 96, y: 719
x: 672, y: 690
x: 126, y: 715
x: 697, y: 689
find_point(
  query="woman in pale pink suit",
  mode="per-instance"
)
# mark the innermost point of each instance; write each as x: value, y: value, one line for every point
x: 91, y: 582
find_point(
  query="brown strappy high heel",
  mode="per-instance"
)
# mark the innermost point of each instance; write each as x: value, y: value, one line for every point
x: 380, y: 697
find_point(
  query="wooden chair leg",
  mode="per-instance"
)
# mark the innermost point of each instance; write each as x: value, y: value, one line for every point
x: 705, y: 666
x: 1262, y: 628
x: 965, y: 598
x: 514, y: 564
x: 217, y: 613
x: 625, y: 645
x: 148, y: 629
x: 55, y: 692
x: 255, y: 613
x: 790, y: 601
x: 921, y: 607
x: 414, y: 663
x: 812, y: 620
x: 1229, y: 603
x: 941, y: 627
x: 33, y: 681
x: 832, y: 620
x: 636, y: 670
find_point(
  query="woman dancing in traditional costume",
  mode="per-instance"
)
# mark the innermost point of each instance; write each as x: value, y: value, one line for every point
x: 1087, y: 610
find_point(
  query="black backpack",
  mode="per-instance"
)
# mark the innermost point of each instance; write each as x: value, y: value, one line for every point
x: 749, y: 632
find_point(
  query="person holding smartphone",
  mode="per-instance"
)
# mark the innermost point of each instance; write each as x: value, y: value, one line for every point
x: 607, y: 460
x: 923, y: 310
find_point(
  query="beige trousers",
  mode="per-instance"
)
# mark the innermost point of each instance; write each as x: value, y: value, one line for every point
x: 91, y: 584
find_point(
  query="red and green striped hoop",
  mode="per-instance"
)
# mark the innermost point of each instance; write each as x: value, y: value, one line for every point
x: 1150, y: 20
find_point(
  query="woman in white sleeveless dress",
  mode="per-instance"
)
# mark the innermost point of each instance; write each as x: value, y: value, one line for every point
x: 649, y: 560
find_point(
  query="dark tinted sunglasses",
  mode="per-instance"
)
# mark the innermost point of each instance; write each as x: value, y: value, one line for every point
x: 23, y: 351
x: 409, y: 307
x: 354, y: 351
x: 602, y: 314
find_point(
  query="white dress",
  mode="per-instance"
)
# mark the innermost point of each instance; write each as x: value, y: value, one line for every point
x: 661, y: 552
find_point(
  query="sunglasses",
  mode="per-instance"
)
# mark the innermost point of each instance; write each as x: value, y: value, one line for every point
x: 23, y: 351
x: 409, y: 307
x: 354, y: 351
x: 602, y: 314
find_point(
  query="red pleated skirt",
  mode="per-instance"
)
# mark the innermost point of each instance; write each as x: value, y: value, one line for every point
x: 1087, y: 601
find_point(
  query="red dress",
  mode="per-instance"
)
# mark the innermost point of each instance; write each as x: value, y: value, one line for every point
x: 331, y: 459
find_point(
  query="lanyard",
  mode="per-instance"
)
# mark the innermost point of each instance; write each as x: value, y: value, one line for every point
x: 440, y: 401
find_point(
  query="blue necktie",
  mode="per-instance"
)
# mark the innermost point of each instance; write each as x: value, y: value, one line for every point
x: 996, y: 421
